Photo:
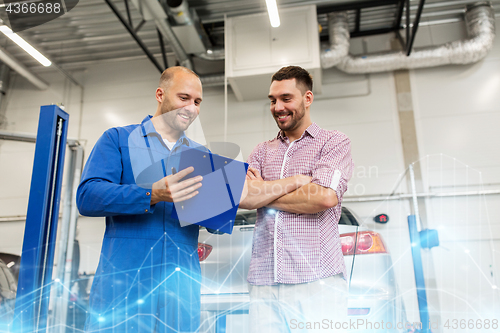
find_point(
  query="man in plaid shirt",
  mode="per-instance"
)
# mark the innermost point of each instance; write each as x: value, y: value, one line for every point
x: 297, y: 277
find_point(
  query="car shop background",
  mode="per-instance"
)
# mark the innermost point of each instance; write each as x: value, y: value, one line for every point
x: 455, y: 110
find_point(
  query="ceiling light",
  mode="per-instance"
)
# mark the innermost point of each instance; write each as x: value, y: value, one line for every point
x: 272, y: 9
x: 25, y: 45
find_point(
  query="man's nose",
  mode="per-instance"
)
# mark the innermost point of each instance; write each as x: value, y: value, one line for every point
x: 278, y: 106
x: 191, y: 108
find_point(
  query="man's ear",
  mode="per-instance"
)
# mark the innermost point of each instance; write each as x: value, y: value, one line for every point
x: 160, y: 94
x: 308, y: 98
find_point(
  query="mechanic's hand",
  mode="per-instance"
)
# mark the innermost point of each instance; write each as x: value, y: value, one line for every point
x: 173, y: 189
x: 253, y: 174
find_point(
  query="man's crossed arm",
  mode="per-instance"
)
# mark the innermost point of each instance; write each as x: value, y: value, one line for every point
x: 259, y: 193
x: 294, y: 194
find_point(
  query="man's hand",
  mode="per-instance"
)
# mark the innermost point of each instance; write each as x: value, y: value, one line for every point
x: 253, y: 174
x: 172, y: 189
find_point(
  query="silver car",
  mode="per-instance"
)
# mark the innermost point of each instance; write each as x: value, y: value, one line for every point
x: 374, y: 303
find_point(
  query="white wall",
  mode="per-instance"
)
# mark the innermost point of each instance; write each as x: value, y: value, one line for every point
x: 457, y: 110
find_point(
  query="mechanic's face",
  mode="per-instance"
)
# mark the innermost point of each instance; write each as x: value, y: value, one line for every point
x: 180, y: 100
x: 288, y: 104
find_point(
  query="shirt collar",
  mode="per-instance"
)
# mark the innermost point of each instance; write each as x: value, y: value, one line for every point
x: 149, y: 129
x: 312, y: 130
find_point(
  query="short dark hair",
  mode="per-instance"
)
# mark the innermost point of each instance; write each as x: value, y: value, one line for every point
x: 303, y: 79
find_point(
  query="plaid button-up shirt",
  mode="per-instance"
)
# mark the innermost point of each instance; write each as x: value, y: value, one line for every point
x: 298, y: 248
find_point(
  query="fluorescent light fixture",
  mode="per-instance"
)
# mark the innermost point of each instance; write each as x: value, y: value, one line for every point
x: 272, y: 9
x: 25, y: 45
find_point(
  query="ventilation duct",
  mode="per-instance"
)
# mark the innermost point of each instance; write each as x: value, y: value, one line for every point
x: 480, y: 22
x: 338, y: 30
x: 180, y: 12
x: 212, y: 80
x: 187, y: 27
x: 151, y: 10
x: 216, y: 53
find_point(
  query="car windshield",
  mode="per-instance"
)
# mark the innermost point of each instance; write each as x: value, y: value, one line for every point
x: 249, y: 218
x: 246, y: 218
x: 348, y: 218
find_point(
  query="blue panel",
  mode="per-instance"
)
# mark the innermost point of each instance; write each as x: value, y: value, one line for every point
x: 215, y: 206
x: 419, y: 273
x: 235, y: 172
x: 429, y: 238
x: 220, y: 324
x: 37, y: 258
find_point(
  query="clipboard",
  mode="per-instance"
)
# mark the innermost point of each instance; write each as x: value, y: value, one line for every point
x: 217, y: 202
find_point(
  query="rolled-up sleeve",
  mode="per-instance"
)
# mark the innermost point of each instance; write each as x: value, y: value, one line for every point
x: 100, y: 192
x: 335, y: 166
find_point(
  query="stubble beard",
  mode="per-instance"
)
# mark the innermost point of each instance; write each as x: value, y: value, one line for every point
x: 170, y: 116
x: 296, y: 117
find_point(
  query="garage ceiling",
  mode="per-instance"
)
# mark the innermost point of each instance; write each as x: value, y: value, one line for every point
x: 91, y: 32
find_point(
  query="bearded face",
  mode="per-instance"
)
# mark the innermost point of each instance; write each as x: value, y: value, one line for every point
x: 288, y: 105
x: 178, y: 119
x: 289, y: 119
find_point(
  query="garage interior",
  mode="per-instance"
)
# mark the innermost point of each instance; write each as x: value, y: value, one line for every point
x: 414, y: 84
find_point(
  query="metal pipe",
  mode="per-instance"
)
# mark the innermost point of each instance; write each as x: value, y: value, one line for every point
x: 156, y: 10
x: 429, y: 195
x: 127, y: 9
x: 134, y: 35
x: 13, y: 63
x: 59, y: 318
x: 408, y: 22
x: 4, y: 79
x: 73, y: 218
x: 480, y: 22
x: 162, y: 48
x: 414, y: 195
x: 409, y: 44
x: 399, y: 17
x: 355, y: 5
x: 4, y: 85
x: 358, y: 19
x: 139, y: 26
x: 28, y: 137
